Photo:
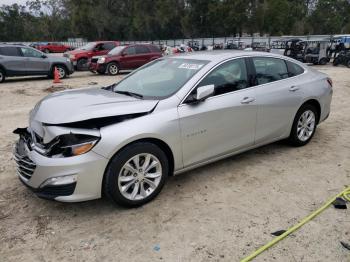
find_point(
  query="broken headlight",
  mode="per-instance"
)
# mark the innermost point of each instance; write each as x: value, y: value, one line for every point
x: 70, y: 145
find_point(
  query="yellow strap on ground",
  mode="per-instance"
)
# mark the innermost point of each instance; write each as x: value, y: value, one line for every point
x: 345, y: 194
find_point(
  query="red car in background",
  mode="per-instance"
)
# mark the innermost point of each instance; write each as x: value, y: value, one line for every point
x: 81, y: 56
x: 124, y: 58
x: 53, y: 48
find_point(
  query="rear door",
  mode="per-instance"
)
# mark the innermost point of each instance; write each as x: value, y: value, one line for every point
x: 143, y: 55
x: 35, y: 62
x: 278, y: 95
x: 11, y: 58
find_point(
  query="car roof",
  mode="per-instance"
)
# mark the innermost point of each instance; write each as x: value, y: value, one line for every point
x: 218, y: 56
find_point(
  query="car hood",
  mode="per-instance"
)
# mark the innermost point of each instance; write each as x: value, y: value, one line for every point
x: 85, y: 104
x: 78, y: 51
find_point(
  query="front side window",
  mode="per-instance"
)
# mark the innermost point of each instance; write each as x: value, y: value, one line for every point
x: 228, y: 77
x: 269, y: 69
x: 130, y: 50
x: 160, y: 78
x: 29, y: 52
x: 109, y: 46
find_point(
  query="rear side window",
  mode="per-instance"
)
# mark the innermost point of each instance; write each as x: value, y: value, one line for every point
x: 269, y: 69
x: 294, y: 69
x: 154, y: 49
x: 140, y: 49
x: 9, y: 51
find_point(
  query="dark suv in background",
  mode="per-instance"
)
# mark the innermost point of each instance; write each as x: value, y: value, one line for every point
x: 124, y: 58
x: 81, y: 56
x: 20, y: 60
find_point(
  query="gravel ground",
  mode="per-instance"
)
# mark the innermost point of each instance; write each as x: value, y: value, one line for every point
x: 220, y: 212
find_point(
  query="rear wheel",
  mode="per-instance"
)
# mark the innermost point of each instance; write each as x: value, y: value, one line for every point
x: 304, y: 125
x: 46, y: 51
x: 136, y: 174
x: 2, y: 76
x: 335, y: 62
x: 113, y: 68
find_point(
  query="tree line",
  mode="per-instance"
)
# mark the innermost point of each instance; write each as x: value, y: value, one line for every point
x: 57, y: 20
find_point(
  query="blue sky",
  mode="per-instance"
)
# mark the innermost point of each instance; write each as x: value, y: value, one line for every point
x: 10, y: 2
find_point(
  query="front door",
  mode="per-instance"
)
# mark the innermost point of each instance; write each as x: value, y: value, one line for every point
x: 223, y: 123
x: 34, y: 61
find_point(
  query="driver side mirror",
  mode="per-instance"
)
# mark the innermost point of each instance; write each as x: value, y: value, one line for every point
x: 44, y: 56
x: 203, y: 92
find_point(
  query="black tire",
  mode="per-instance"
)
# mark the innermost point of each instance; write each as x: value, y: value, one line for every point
x: 293, y: 139
x: 82, y: 64
x: 46, y: 51
x: 112, y: 173
x: 113, y: 69
x: 323, y: 61
x: 62, y: 69
x: 2, y: 76
x: 348, y: 64
x: 335, y: 62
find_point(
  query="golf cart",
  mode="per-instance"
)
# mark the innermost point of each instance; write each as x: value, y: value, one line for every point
x: 342, y: 59
x: 260, y: 46
x: 234, y: 44
x: 316, y: 52
x: 288, y: 47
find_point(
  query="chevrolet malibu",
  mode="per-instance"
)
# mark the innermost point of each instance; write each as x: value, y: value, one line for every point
x: 169, y: 116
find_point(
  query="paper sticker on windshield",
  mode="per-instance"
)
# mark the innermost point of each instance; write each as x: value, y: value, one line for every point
x: 190, y: 66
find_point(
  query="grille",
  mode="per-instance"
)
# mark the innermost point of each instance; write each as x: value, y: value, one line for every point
x: 25, y: 166
x: 94, y: 60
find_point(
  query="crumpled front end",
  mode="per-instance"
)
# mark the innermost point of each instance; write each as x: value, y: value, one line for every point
x: 51, y: 175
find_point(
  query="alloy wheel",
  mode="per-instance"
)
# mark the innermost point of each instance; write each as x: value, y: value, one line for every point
x: 306, y: 125
x: 113, y: 69
x: 140, y: 176
x: 61, y: 72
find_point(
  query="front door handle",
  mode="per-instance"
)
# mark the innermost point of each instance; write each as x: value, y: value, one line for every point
x: 294, y: 88
x: 247, y: 100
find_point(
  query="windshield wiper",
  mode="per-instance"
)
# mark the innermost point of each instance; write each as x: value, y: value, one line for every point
x: 128, y: 93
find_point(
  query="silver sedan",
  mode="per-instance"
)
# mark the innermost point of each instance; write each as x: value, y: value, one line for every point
x: 169, y: 116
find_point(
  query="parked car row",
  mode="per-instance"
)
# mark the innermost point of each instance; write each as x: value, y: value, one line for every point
x: 20, y: 60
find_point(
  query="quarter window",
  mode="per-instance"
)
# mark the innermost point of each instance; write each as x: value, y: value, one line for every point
x: 269, y: 69
x: 294, y: 69
x: 228, y: 77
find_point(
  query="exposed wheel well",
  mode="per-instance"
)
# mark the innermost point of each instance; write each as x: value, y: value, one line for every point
x: 317, y: 105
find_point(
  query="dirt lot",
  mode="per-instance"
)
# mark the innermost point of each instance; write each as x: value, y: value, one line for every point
x: 221, y: 212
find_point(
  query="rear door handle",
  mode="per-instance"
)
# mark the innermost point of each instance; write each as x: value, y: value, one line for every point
x: 247, y: 100
x: 294, y: 88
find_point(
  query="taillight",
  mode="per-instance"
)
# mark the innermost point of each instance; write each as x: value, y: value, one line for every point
x: 330, y: 82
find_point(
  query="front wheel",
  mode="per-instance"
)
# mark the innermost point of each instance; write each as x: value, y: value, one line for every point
x: 113, y: 69
x: 2, y: 76
x: 62, y: 71
x: 82, y: 64
x: 304, y: 125
x: 323, y: 61
x: 136, y: 174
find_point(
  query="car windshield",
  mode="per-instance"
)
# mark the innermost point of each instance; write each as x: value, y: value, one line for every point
x: 160, y: 78
x: 88, y: 46
x: 116, y: 50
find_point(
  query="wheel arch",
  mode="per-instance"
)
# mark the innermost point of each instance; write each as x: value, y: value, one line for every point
x: 316, y: 104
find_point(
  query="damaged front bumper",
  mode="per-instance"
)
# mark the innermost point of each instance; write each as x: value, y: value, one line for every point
x: 68, y: 179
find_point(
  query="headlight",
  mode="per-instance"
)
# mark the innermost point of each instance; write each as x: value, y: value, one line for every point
x: 101, y: 60
x: 69, y: 145
x: 71, y: 56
